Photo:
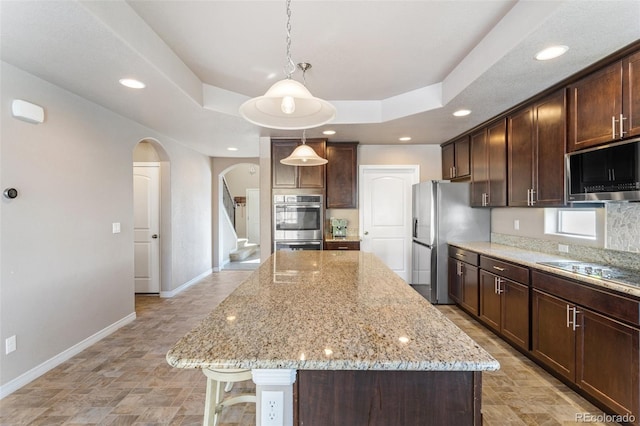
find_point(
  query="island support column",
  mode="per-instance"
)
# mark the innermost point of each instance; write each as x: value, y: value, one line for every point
x: 274, y: 385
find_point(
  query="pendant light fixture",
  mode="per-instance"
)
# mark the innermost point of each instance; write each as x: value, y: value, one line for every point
x: 304, y: 155
x: 288, y: 104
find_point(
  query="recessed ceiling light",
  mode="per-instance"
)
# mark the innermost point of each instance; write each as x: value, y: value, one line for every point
x: 551, y: 52
x: 232, y: 148
x: 329, y: 132
x: 132, y: 83
x: 405, y: 138
x: 462, y: 112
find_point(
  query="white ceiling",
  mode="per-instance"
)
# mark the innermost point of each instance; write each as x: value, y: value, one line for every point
x: 392, y: 68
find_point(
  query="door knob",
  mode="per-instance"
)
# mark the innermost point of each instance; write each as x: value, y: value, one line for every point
x: 154, y: 236
x: 366, y: 232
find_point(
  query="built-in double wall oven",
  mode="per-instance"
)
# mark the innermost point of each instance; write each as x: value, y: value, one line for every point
x: 297, y: 222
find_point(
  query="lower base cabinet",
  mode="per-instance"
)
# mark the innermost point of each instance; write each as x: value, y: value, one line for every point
x: 504, y: 307
x: 463, y: 284
x: 342, y: 245
x: 553, y: 342
x: 588, y: 337
x: 596, y: 353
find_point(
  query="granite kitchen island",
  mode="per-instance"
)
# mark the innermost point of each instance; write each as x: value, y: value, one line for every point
x: 360, y: 345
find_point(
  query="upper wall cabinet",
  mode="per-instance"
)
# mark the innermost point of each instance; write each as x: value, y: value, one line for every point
x: 489, y: 166
x: 284, y: 176
x: 342, y: 175
x: 605, y: 105
x: 456, y: 159
x: 536, y: 147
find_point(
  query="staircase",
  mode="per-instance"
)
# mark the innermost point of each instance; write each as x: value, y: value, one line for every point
x: 243, y: 250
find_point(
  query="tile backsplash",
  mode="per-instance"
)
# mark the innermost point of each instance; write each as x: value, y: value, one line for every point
x: 623, y: 226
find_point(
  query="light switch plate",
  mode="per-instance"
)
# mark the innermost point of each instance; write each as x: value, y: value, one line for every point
x: 10, y: 344
x: 115, y: 227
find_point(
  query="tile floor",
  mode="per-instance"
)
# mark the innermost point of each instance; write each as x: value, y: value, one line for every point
x: 125, y: 380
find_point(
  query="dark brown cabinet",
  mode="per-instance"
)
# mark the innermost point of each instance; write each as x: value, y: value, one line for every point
x: 342, y: 245
x: 604, y: 106
x: 456, y: 159
x: 489, y: 166
x: 631, y: 91
x: 284, y: 176
x: 536, y: 147
x: 504, y: 302
x: 596, y: 351
x: 553, y: 343
x: 463, y: 279
x: 342, y: 175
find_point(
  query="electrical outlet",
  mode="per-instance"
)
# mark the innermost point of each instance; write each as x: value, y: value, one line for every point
x: 272, y: 413
x: 516, y: 224
x: 563, y: 248
x: 10, y: 344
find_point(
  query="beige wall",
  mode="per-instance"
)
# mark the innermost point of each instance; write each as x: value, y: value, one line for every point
x: 65, y: 278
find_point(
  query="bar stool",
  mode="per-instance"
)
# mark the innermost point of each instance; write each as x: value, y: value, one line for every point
x: 214, y: 402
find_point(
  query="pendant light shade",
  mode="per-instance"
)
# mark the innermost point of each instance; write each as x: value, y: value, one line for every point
x: 288, y: 105
x: 303, y: 155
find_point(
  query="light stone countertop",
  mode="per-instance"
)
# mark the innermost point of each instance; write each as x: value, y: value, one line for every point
x: 328, y: 310
x: 531, y: 258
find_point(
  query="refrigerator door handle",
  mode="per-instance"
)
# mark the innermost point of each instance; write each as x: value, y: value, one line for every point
x: 415, y: 227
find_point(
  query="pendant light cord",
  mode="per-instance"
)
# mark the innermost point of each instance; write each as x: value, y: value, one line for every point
x: 289, y: 66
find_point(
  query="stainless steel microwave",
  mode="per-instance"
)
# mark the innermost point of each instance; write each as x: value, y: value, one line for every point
x: 604, y: 173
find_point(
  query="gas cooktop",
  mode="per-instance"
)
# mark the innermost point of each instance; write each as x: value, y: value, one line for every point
x: 593, y: 270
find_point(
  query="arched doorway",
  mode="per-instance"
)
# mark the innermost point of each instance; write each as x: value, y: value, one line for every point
x: 239, y: 217
x: 152, y: 217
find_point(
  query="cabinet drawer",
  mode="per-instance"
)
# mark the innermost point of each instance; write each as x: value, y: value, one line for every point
x: 342, y: 245
x: 612, y: 305
x: 505, y: 269
x: 464, y: 255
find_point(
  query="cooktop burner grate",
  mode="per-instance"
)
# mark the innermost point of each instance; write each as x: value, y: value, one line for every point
x: 594, y: 270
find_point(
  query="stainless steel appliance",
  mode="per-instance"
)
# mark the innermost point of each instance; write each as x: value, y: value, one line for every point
x: 338, y: 227
x: 605, y: 173
x: 441, y: 214
x: 594, y: 270
x: 297, y: 222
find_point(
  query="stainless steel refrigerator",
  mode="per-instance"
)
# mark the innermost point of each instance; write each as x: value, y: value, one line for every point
x: 441, y: 214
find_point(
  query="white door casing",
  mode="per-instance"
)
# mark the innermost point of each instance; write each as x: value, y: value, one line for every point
x: 253, y: 215
x: 385, y: 214
x: 146, y: 225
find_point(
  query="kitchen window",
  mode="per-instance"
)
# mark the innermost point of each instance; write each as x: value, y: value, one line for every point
x: 574, y: 223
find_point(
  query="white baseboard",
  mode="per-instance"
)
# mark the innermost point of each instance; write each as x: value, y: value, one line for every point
x: 168, y: 294
x: 63, y: 356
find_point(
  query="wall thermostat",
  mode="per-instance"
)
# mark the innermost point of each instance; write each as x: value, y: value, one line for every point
x: 10, y: 193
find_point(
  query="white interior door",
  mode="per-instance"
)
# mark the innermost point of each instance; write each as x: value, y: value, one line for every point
x: 253, y: 215
x: 146, y: 227
x: 385, y: 214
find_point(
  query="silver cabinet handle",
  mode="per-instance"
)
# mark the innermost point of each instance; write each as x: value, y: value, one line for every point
x: 572, y: 317
x: 575, y: 318
x: 499, y: 268
x: 532, y: 194
x: 613, y: 128
x: 455, y: 172
x: 622, y: 132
